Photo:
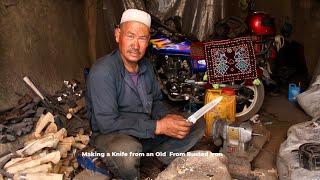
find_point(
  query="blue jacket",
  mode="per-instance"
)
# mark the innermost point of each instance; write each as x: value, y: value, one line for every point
x: 115, y: 105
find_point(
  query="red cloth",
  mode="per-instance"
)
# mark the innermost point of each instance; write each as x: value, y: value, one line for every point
x: 197, y: 51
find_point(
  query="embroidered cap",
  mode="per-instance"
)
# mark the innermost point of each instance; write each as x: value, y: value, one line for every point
x: 136, y: 15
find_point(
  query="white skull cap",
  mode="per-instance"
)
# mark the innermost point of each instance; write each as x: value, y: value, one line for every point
x: 136, y: 15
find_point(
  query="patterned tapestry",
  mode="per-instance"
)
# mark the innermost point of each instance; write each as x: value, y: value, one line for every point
x: 230, y: 60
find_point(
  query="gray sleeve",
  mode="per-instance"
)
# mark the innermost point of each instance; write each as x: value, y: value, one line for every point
x: 105, y: 110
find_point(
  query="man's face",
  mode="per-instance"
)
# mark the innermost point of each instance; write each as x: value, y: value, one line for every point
x: 133, y: 38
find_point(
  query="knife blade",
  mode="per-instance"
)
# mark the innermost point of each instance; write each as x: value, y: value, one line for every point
x: 198, y: 114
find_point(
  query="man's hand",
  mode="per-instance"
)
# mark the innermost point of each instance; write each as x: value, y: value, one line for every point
x: 174, y: 126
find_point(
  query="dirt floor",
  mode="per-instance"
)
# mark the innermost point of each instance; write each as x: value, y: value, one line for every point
x: 277, y: 114
x: 281, y: 114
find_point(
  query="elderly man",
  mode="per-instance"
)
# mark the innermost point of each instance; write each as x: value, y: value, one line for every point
x: 125, y: 108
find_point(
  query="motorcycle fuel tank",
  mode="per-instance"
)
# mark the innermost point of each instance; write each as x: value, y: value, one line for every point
x: 261, y: 23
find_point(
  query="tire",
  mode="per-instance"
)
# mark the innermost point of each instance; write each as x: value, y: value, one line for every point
x: 255, y: 106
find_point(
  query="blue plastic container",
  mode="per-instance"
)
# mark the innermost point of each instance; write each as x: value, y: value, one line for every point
x: 90, y: 164
x: 293, y: 91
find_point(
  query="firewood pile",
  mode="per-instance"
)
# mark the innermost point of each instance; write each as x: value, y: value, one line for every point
x: 54, y: 129
x: 48, y: 154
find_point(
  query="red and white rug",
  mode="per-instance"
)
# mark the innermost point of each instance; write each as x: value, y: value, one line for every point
x: 230, y: 60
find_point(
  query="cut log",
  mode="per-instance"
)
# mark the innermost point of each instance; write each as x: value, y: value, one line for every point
x: 66, y: 162
x: 21, y: 166
x: 18, y: 153
x: 62, y: 133
x: 80, y: 104
x: 78, y: 145
x: 43, y: 168
x: 52, y: 128
x: 63, y: 149
x: 84, y: 139
x: 42, y: 122
x: 70, y: 140
x: 38, y: 176
x: 49, y: 134
x: 40, y: 154
x: 53, y: 157
x: 56, y: 167
x: 66, y: 170
x: 65, y: 146
x: 49, y: 141
x: 15, y: 161
x: 30, y: 141
x: 6, y: 158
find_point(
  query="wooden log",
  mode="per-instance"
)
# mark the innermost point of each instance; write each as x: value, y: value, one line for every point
x: 21, y: 166
x: 66, y: 161
x: 84, y: 139
x: 56, y: 167
x: 42, y: 122
x: 53, y: 157
x: 63, y: 149
x: 65, y: 146
x: 52, y: 128
x: 38, y: 176
x: 30, y: 141
x: 49, y: 134
x: 16, y: 161
x: 18, y: 153
x: 78, y: 145
x: 49, y: 141
x: 6, y: 158
x: 40, y: 154
x: 61, y: 134
x: 81, y: 103
x: 69, y: 139
x: 66, y: 170
x: 43, y: 168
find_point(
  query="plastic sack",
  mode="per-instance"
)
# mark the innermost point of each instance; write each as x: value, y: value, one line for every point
x: 288, y: 158
x: 310, y: 99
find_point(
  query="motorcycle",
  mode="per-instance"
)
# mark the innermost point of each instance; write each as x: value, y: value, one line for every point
x: 180, y: 78
x: 183, y: 78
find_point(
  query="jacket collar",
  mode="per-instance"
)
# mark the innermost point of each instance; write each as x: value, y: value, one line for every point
x: 122, y: 69
x: 125, y: 73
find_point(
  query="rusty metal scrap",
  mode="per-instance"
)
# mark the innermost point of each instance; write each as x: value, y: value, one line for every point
x: 18, y: 120
x: 68, y: 101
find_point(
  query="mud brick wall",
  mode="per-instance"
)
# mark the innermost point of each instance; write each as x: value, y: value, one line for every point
x: 43, y: 39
